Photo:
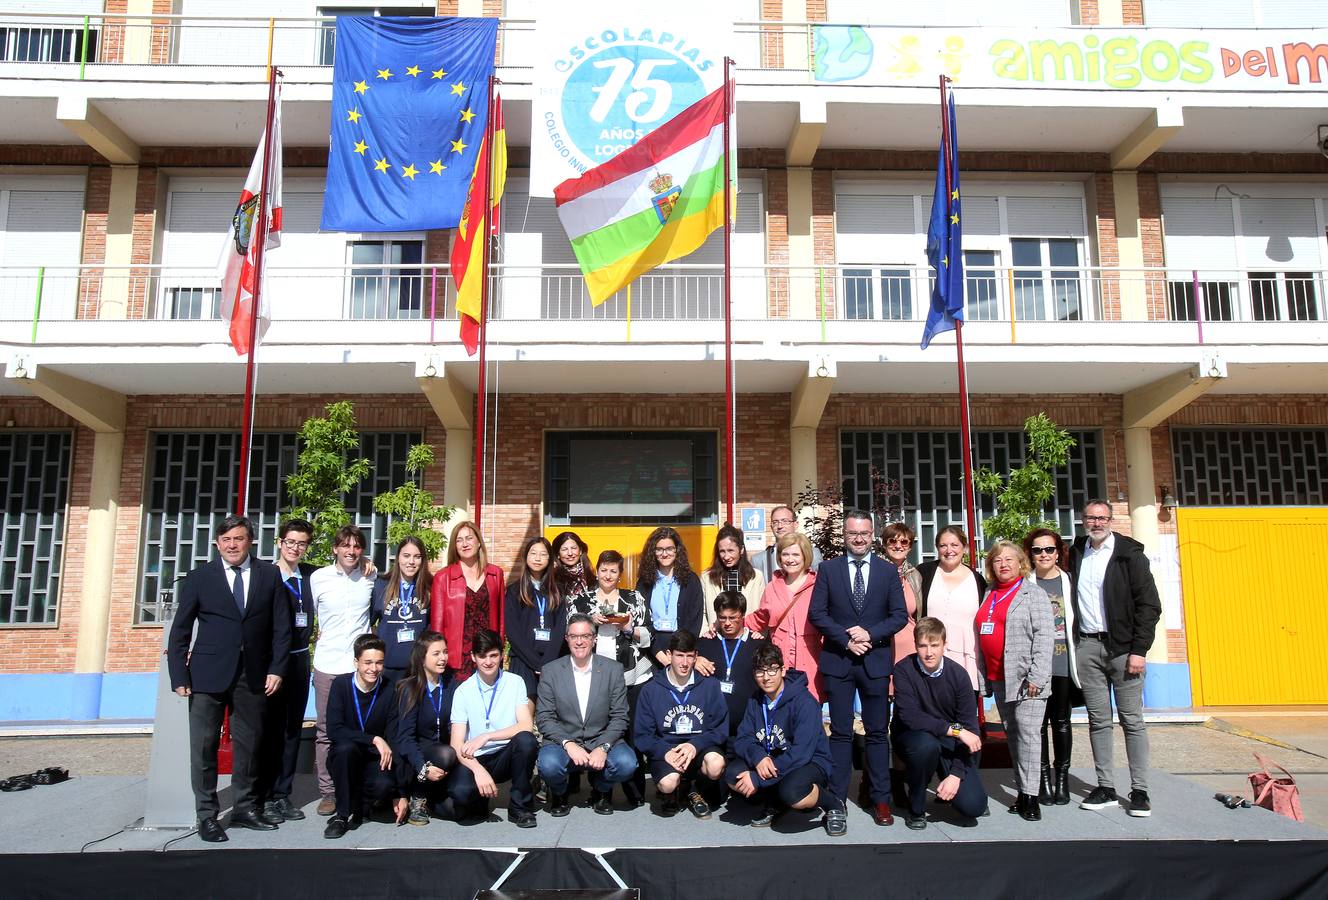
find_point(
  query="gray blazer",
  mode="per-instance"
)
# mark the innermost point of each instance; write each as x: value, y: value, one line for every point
x: 558, y: 713
x: 1030, y: 641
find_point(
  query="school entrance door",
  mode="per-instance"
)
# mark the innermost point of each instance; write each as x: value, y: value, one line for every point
x: 1255, y: 588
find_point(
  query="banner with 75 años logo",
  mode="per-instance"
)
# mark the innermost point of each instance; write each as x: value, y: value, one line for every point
x: 611, y: 73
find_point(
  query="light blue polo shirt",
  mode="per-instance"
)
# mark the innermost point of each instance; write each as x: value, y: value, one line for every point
x: 482, y: 708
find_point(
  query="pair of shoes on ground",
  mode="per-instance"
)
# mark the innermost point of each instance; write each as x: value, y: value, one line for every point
x: 282, y: 810
x: 1138, y: 805
x: 600, y: 801
x: 49, y: 775
x: 337, y: 826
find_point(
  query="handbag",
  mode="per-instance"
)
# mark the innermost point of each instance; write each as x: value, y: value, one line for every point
x: 1278, y: 794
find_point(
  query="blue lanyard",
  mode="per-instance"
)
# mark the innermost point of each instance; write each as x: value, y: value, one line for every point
x: 665, y: 597
x: 682, y: 701
x: 542, y: 603
x: 437, y: 704
x: 355, y: 699
x: 406, y: 598
x: 996, y: 601
x: 730, y: 657
x: 766, y: 709
x: 493, y: 695
x: 293, y: 585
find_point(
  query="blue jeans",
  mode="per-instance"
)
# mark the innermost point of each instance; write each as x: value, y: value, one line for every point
x: 554, y: 766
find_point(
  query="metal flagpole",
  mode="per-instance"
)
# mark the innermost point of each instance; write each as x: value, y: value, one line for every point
x: 947, y: 141
x: 481, y: 395
x: 260, y: 235
x: 730, y: 414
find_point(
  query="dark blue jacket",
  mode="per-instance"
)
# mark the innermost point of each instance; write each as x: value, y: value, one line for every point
x: 300, y: 637
x: 833, y: 614
x: 743, y: 680
x: 421, y: 724
x: 261, y: 636
x: 521, y: 621
x: 659, y: 714
x: 796, y: 736
x: 691, y: 611
x: 343, y: 725
x: 930, y: 704
x: 390, y: 625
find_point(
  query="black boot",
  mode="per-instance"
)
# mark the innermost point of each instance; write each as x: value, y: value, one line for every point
x: 1031, y: 812
x: 1044, y: 785
x: 1061, y: 788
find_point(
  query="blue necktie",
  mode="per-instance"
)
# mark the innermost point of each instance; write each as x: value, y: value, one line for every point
x: 859, y: 587
x: 237, y: 589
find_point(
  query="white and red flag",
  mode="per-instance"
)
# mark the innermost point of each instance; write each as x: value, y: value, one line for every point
x: 238, y: 265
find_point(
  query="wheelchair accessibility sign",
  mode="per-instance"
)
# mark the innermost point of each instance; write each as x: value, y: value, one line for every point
x: 608, y: 79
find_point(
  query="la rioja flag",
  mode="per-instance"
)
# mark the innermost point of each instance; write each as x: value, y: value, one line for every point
x: 237, y: 265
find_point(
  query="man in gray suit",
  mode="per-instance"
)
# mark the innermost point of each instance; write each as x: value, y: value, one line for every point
x: 783, y: 520
x: 581, y: 711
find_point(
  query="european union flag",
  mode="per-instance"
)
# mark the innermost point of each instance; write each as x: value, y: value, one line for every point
x: 945, y: 238
x: 410, y: 101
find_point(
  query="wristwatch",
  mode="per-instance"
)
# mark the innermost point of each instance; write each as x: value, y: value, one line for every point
x: 955, y: 729
x: 424, y: 771
x: 606, y: 746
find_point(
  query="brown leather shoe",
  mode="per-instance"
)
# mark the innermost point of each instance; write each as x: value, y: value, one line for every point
x: 881, y: 814
x: 327, y: 806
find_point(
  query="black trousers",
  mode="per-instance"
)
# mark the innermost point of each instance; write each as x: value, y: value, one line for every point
x: 445, y: 758
x: 206, y: 712
x: 359, y: 779
x: 790, y: 787
x: 1057, y: 720
x: 283, y: 727
x: 515, y: 762
x: 925, y: 756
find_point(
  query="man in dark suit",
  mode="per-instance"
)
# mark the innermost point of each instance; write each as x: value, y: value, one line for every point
x: 858, y: 605
x: 237, y: 660
x: 581, y: 711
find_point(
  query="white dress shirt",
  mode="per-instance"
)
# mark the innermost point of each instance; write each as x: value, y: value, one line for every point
x: 581, y: 678
x: 853, y: 573
x: 342, y: 602
x: 1092, y: 572
x: 245, y: 578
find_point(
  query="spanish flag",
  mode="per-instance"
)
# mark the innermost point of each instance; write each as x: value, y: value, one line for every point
x: 468, y: 246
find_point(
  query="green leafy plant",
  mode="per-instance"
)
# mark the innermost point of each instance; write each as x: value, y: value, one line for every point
x: 410, y: 508
x: 824, y: 526
x: 1021, y: 494
x: 328, y: 469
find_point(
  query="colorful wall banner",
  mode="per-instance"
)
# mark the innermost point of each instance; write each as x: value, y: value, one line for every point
x: 1140, y: 59
x: 606, y: 80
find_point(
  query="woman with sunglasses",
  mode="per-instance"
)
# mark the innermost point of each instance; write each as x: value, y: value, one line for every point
x: 898, y: 539
x: 1049, y: 555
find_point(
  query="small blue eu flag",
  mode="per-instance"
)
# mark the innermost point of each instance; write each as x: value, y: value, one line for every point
x: 945, y: 236
x: 410, y: 101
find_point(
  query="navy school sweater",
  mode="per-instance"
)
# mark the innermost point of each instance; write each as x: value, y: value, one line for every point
x: 923, y: 703
x: 343, y: 724
x: 795, y: 737
x: 667, y: 717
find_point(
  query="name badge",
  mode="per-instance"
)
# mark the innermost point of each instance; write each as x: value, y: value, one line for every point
x: 665, y: 625
x: 988, y: 628
x: 405, y: 635
x: 542, y: 634
x: 726, y: 687
x: 301, y: 620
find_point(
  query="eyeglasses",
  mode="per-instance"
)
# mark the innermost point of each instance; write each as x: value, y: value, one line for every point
x: 1041, y: 550
x: 1088, y: 519
x: 899, y: 542
x: 858, y: 534
x: 663, y: 551
x: 295, y: 545
x: 770, y: 672
x: 580, y: 637
x: 781, y: 521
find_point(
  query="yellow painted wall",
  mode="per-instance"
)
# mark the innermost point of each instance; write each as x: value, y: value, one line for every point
x: 1256, y: 609
x: 629, y: 539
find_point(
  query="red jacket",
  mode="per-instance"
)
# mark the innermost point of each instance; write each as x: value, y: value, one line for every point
x: 447, y: 606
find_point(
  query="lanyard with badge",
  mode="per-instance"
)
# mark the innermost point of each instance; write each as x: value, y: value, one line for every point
x: 667, y: 622
x: 293, y: 585
x: 436, y: 701
x: 493, y: 695
x: 542, y: 604
x: 989, y: 626
x: 683, y: 724
x: 362, y: 715
x: 766, y: 709
x: 727, y: 684
x: 406, y: 633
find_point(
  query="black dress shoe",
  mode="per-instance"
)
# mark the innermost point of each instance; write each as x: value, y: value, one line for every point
x: 1032, y: 811
x: 558, y: 806
x: 521, y: 818
x: 210, y: 830
x: 602, y: 802
x: 289, y: 811
x: 915, y: 822
x: 270, y: 814
x: 669, y: 804
x: 250, y: 819
x: 336, y: 828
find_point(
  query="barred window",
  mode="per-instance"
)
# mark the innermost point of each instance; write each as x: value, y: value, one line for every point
x: 1251, y: 466
x: 34, y: 483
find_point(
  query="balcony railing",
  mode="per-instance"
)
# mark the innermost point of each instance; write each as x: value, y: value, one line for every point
x: 859, y: 294
x: 288, y: 41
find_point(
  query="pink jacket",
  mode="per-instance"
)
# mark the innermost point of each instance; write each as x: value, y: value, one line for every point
x: 795, y: 637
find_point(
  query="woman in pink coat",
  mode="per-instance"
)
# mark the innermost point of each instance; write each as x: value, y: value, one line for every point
x: 782, y: 615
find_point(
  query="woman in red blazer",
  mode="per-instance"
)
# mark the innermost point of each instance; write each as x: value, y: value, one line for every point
x: 467, y: 596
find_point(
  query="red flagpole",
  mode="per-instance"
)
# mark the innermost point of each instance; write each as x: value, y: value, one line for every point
x: 730, y: 402
x: 964, y: 427
x: 481, y: 395
x: 260, y: 235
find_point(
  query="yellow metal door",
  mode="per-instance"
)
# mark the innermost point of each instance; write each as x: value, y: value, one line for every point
x: 1256, y: 605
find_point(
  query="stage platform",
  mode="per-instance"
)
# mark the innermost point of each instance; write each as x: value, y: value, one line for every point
x: 66, y: 840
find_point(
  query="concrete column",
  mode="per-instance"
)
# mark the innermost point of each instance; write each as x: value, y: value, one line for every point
x: 802, y: 460
x: 473, y: 9
x: 119, y: 243
x: 1110, y: 14
x: 802, y: 248
x: 797, y: 40
x: 138, y: 33
x: 454, y: 404
x: 98, y: 568
x: 459, y: 474
x: 806, y: 406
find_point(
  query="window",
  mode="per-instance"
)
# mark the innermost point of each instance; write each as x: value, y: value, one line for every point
x: 928, y: 467
x: 884, y: 293
x: 42, y: 227
x: 630, y: 478
x: 35, y: 491
x: 53, y: 43
x: 191, y: 483
x: 1251, y: 467
x: 1046, y: 279
x: 327, y: 30
x: 1284, y: 296
x: 379, y: 287
x: 980, y: 286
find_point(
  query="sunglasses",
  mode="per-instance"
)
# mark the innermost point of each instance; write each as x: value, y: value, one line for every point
x: 1039, y: 550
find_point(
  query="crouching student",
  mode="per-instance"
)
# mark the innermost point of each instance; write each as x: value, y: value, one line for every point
x: 936, y: 729
x: 493, y: 736
x: 681, y: 726
x: 361, y: 716
x: 783, y: 756
x: 424, y: 728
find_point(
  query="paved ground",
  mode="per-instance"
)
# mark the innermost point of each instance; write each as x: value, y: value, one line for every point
x: 1218, y: 754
